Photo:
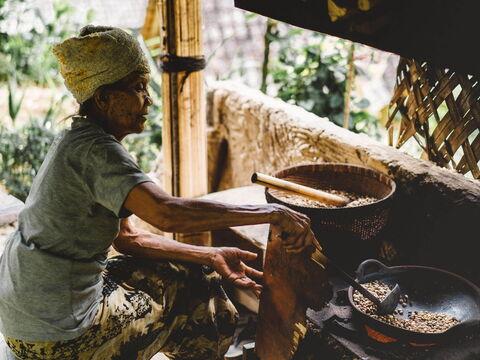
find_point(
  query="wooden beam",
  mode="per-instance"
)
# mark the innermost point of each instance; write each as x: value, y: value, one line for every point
x: 184, y: 120
x: 438, y: 31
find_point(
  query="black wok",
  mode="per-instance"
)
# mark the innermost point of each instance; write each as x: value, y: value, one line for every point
x: 428, y: 289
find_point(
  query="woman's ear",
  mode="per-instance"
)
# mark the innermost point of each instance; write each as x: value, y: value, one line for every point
x: 101, y: 99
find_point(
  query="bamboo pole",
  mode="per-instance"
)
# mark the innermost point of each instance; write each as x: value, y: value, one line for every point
x: 349, y: 85
x: 184, y: 119
x: 298, y: 189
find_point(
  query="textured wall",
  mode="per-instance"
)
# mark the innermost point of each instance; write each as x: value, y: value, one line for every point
x: 436, y: 211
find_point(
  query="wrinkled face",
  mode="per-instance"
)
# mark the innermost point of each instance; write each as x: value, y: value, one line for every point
x: 126, y: 106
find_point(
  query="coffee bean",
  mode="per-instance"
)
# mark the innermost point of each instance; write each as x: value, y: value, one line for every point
x: 355, y: 199
x: 418, y: 321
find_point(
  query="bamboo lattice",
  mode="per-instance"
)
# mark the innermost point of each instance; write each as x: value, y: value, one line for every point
x: 440, y: 108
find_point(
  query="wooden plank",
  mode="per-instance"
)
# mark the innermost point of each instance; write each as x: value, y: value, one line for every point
x: 439, y: 31
x: 151, y: 23
x: 291, y: 282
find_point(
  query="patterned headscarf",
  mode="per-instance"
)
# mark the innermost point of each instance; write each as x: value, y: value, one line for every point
x: 100, y: 55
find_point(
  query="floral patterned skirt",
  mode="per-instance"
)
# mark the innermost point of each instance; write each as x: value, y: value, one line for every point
x: 148, y: 306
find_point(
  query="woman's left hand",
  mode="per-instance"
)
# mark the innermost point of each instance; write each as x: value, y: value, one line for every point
x: 229, y: 263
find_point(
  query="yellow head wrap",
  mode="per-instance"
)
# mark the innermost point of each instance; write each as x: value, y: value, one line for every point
x: 100, y: 55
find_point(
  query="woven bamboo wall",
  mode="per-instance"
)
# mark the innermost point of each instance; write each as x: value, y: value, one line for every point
x: 440, y: 108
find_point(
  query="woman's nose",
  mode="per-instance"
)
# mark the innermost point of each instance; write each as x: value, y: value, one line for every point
x: 148, y: 100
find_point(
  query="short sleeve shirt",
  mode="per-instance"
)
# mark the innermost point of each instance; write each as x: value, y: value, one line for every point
x: 51, y: 269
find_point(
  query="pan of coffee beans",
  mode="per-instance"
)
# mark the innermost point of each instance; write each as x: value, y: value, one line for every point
x: 435, y: 305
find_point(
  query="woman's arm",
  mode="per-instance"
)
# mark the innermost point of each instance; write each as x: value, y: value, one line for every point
x: 227, y: 261
x: 137, y: 242
x: 174, y: 214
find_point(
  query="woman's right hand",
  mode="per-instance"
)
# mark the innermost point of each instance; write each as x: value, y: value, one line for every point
x: 293, y: 228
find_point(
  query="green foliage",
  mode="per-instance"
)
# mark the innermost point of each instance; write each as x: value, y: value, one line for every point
x: 23, y: 149
x: 28, y: 53
x: 14, y: 102
x: 26, y: 58
x: 310, y: 71
x: 22, y: 152
x: 5, y: 65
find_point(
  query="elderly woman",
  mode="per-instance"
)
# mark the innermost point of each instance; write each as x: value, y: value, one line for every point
x: 60, y: 297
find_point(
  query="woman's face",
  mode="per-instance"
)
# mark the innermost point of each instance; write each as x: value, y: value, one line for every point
x: 126, y: 106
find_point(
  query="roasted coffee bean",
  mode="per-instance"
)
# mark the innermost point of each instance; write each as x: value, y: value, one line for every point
x: 418, y: 321
x: 355, y: 199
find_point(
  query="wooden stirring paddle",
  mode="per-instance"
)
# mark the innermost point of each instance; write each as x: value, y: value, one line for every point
x: 385, y: 306
x: 297, y: 189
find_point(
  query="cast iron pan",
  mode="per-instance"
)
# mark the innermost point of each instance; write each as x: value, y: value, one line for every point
x: 428, y: 289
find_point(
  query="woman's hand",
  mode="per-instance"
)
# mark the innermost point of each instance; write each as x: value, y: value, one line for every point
x: 229, y: 263
x: 293, y: 228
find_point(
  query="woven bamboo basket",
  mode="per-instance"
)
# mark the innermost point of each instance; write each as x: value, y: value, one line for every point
x: 338, y: 228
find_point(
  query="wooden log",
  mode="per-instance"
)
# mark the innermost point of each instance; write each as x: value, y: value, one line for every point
x: 184, y: 121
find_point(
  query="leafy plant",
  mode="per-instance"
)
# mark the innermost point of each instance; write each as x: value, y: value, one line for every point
x: 14, y: 103
x: 26, y: 58
x: 21, y: 153
x: 27, y: 47
x: 310, y: 71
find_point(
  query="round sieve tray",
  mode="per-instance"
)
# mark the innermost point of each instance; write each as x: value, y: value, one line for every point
x: 342, y: 228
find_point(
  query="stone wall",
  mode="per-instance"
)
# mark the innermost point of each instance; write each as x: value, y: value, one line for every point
x: 435, y: 212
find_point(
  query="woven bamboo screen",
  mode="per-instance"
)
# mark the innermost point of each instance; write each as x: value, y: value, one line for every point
x: 441, y: 110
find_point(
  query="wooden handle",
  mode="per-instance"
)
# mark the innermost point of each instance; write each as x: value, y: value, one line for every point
x: 318, y: 257
x: 321, y: 260
x: 280, y: 184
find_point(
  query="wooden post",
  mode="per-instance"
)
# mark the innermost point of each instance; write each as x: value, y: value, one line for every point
x: 184, y: 119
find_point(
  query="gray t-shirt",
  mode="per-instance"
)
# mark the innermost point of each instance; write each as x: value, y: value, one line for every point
x: 51, y: 269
